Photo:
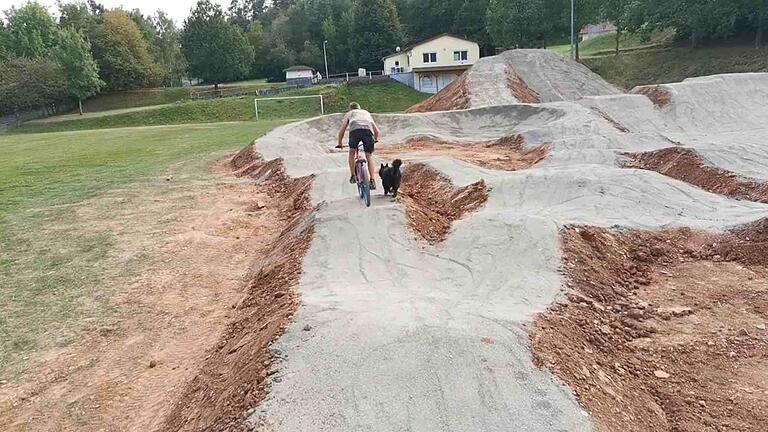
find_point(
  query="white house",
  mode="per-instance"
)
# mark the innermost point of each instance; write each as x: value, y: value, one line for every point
x: 432, y: 64
x: 299, y: 75
x: 591, y: 30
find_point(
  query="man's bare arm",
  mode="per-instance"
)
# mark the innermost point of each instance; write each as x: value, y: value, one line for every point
x: 340, y: 137
x: 376, y: 132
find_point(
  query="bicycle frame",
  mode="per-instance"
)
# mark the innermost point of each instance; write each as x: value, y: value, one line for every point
x: 361, y: 174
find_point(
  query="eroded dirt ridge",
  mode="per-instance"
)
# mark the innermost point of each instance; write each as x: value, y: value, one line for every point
x: 662, y: 330
x: 454, y: 96
x: 507, y: 153
x: 519, y: 88
x: 687, y: 165
x: 234, y: 376
x: 433, y: 202
x: 660, y: 96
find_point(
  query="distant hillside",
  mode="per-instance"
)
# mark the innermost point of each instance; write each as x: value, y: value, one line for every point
x: 676, y: 64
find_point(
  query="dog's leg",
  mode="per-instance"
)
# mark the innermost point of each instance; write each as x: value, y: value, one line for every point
x: 394, y: 192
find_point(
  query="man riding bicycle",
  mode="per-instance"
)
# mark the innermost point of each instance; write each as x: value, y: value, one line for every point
x: 363, y: 129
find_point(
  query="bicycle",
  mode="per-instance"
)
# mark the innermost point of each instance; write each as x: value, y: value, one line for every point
x: 361, y: 175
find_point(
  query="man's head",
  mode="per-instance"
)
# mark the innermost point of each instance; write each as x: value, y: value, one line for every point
x: 354, y: 105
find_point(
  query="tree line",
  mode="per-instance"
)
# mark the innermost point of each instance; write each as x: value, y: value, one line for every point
x: 45, y: 61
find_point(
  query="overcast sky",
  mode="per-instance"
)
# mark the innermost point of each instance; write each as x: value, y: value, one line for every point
x: 177, y: 9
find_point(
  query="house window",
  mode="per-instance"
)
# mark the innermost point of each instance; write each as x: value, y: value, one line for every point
x: 460, y: 56
x: 430, y: 57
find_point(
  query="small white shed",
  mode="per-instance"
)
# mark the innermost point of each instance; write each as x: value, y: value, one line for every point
x: 299, y: 75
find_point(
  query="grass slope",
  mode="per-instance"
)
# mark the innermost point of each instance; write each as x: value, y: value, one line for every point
x: 380, y: 97
x: 53, y: 280
x: 606, y: 44
x: 676, y: 64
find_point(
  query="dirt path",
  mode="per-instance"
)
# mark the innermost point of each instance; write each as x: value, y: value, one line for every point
x: 201, y: 236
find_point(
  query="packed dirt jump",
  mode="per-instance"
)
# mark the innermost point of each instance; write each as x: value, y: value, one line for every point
x: 563, y: 256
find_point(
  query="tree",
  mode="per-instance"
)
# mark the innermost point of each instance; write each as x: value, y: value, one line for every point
x: 32, y: 32
x: 255, y: 38
x: 122, y: 54
x: 215, y: 50
x: 377, y: 31
x: 77, y: 15
x: 4, y: 40
x: 167, y: 49
x: 27, y: 84
x: 471, y: 21
x: 80, y: 71
x: 279, y: 58
x: 311, y: 55
x: 146, y: 28
x: 516, y: 23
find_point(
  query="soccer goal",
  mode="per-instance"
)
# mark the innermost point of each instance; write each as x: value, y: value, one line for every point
x: 288, y: 103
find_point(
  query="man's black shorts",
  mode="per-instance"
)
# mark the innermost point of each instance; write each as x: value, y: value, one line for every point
x: 364, y: 135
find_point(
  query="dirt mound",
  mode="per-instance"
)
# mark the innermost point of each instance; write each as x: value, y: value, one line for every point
x: 686, y: 165
x: 518, y: 76
x: 454, y: 96
x: 659, y: 96
x: 519, y: 88
x: 507, y: 153
x: 233, y: 378
x: 662, y: 330
x: 618, y: 126
x: 433, y: 202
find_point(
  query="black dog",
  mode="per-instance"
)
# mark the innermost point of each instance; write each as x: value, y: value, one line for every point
x: 390, y: 177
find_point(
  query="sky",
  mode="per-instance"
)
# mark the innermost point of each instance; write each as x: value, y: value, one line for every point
x: 176, y: 9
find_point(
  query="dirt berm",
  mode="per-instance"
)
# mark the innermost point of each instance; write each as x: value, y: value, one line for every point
x: 402, y: 329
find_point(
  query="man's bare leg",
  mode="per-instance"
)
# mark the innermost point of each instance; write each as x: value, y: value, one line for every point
x: 371, y: 168
x: 352, y: 156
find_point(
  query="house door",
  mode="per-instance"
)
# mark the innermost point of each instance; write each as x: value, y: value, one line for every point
x: 445, y: 79
x: 428, y: 83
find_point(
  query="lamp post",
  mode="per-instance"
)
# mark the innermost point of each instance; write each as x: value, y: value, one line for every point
x: 573, y: 25
x: 325, y: 59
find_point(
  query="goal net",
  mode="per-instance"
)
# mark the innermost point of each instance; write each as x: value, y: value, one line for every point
x: 288, y: 107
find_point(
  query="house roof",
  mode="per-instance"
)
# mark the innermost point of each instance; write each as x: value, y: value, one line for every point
x: 297, y: 68
x: 414, y: 45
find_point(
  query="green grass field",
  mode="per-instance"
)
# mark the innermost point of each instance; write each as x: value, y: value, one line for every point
x: 56, y: 265
x: 383, y: 97
x: 676, y: 64
x: 606, y: 44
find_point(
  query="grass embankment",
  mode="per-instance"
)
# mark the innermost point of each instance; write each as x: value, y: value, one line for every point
x: 381, y: 97
x: 161, y: 96
x: 606, y: 44
x: 676, y: 64
x: 58, y: 263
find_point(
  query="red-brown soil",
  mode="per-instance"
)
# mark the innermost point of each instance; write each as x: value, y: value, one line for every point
x: 233, y: 378
x: 433, y: 202
x: 620, y: 127
x: 519, y: 88
x: 507, y: 153
x: 662, y: 331
x: 660, y: 97
x: 686, y: 165
x: 455, y: 96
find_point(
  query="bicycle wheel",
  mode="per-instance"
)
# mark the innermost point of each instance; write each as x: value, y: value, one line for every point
x: 365, y: 185
x: 358, y: 177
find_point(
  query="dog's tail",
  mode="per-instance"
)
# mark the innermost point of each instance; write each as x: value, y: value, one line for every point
x: 396, y: 164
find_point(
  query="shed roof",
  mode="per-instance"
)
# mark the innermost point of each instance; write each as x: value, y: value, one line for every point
x: 297, y: 68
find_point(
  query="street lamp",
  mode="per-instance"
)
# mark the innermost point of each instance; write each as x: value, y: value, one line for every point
x: 573, y: 34
x: 325, y: 58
